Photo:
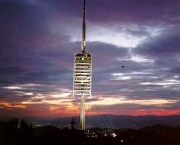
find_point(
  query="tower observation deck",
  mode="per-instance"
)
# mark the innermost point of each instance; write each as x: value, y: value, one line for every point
x: 82, y: 73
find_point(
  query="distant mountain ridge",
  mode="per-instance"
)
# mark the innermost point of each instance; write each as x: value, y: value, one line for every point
x: 122, y: 121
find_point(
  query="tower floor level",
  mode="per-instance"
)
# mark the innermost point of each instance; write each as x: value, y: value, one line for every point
x: 82, y: 74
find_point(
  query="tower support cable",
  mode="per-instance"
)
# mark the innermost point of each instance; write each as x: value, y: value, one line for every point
x: 105, y: 118
x: 57, y: 117
x: 58, y: 121
x: 100, y: 114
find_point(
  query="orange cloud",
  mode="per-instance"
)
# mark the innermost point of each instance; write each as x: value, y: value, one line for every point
x: 11, y: 105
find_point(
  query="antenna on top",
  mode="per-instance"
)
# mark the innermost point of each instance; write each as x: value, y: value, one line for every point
x: 83, y: 45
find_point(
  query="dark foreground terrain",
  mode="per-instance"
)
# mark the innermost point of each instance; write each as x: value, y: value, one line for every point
x: 12, y: 133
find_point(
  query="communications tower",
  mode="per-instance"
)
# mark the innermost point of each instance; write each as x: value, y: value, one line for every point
x: 82, y: 73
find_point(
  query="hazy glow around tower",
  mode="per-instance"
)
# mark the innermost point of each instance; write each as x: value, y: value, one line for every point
x: 117, y: 39
x: 112, y: 37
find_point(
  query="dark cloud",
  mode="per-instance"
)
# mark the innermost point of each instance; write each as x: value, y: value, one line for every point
x: 163, y: 45
x: 127, y: 11
x: 176, y: 70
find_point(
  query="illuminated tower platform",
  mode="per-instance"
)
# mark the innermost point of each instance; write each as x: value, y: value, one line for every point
x: 82, y: 73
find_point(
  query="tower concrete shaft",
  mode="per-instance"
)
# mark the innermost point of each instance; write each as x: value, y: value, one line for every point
x: 82, y: 114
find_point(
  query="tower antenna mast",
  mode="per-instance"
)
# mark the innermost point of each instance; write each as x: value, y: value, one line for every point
x: 83, y: 45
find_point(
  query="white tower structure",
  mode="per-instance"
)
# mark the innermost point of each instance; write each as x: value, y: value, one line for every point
x: 82, y: 73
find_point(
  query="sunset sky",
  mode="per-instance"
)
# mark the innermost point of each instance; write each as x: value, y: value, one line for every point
x: 38, y: 40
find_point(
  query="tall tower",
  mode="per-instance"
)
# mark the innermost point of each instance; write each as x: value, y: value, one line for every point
x: 82, y: 73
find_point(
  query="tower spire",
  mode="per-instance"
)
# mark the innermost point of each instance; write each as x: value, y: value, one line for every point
x: 83, y: 45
